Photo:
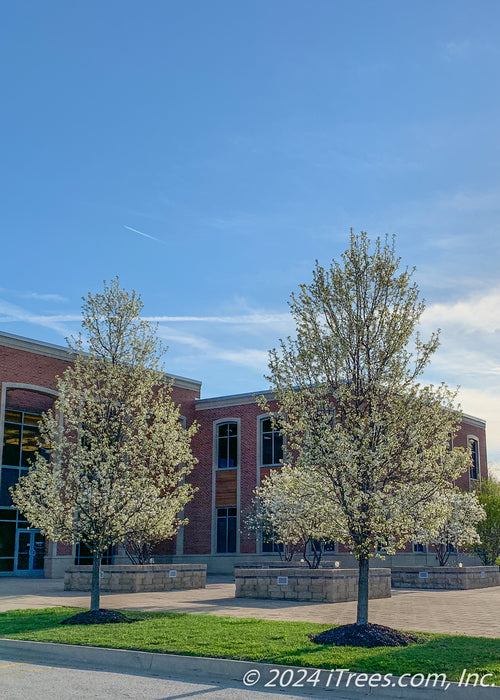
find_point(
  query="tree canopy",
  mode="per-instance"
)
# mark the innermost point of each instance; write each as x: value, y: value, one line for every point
x: 489, y: 529
x: 458, y: 528
x: 119, y: 453
x: 355, y: 416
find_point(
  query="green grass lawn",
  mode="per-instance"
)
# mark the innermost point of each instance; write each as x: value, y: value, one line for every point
x: 257, y: 640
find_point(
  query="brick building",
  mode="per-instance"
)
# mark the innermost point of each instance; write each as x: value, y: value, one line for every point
x: 236, y: 447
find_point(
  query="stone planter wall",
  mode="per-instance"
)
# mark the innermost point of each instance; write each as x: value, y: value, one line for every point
x: 318, y: 585
x: 445, y: 577
x: 131, y: 578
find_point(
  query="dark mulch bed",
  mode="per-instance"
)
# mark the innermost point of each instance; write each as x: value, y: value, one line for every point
x: 368, y: 635
x: 96, y: 617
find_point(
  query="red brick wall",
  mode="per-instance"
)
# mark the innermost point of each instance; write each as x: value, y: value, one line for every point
x: 200, y: 512
x: 472, y: 430
x: 22, y: 400
x: 20, y: 366
x: 64, y: 549
x: 24, y: 367
x: 185, y: 399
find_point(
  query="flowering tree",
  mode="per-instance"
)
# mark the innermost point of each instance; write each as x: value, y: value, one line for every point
x: 458, y: 528
x: 288, y: 511
x: 489, y: 529
x: 374, y: 440
x: 119, y: 453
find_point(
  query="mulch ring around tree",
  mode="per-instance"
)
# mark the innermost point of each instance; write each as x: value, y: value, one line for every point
x: 96, y: 617
x: 369, y: 635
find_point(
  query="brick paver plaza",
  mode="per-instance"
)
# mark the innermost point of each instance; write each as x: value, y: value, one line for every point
x: 473, y: 612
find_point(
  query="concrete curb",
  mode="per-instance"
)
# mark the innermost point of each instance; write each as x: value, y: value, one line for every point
x: 210, y: 670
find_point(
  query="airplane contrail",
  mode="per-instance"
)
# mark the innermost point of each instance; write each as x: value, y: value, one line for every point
x: 146, y: 235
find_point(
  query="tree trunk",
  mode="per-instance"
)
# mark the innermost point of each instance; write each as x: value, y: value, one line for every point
x: 96, y: 581
x: 364, y: 570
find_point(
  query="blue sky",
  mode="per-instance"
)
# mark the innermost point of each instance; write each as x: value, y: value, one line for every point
x: 209, y: 152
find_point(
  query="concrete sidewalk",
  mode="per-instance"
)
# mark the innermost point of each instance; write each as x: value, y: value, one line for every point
x: 473, y: 612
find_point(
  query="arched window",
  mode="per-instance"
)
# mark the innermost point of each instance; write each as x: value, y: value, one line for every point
x: 474, y: 470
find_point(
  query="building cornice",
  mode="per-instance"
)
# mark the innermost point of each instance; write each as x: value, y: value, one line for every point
x: 37, y: 347
x: 472, y: 420
x: 251, y: 398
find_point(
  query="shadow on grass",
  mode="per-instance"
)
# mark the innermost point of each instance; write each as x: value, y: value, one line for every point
x: 26, y: 621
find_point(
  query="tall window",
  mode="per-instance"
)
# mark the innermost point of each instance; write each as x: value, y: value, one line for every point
x: 226, y: 530
x: 19, y: 446
x: 474, y: 451
x: 271, y: 444
x: 227, y: 445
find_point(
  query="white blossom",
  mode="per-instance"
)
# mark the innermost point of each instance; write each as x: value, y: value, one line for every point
x: 374, y: 441
x: 119, y: 454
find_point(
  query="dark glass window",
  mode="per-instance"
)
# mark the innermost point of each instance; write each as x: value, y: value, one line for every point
x: 83, y: 555
x: 272, y: 443
x: 227, y: 445
x: 19, y: 448
x: 20, y: 438
x: 8, y: 514
x: 30, y: 448
x: 7, y: 539
x: 419, y: 548
x: 9, y: 477
x: 270, y: 546
x: 226, y: 530
x: 474, y: 451
x: 329, y: 546
x: 13, y: 417
x: 12, y: 445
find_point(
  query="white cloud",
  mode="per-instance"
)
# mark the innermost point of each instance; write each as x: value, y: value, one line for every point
x: 44, y: 297
x: 488, y: 200
x: 38, y: 296
x: 469, y: 355
x: 249, y: 319
x: 252, y: 358
x: 248, y: 357
x: 494, y: 470
x: 478, y: 313
x: 485, y: 405
x: 13, y: 313
x: 457, y: 49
